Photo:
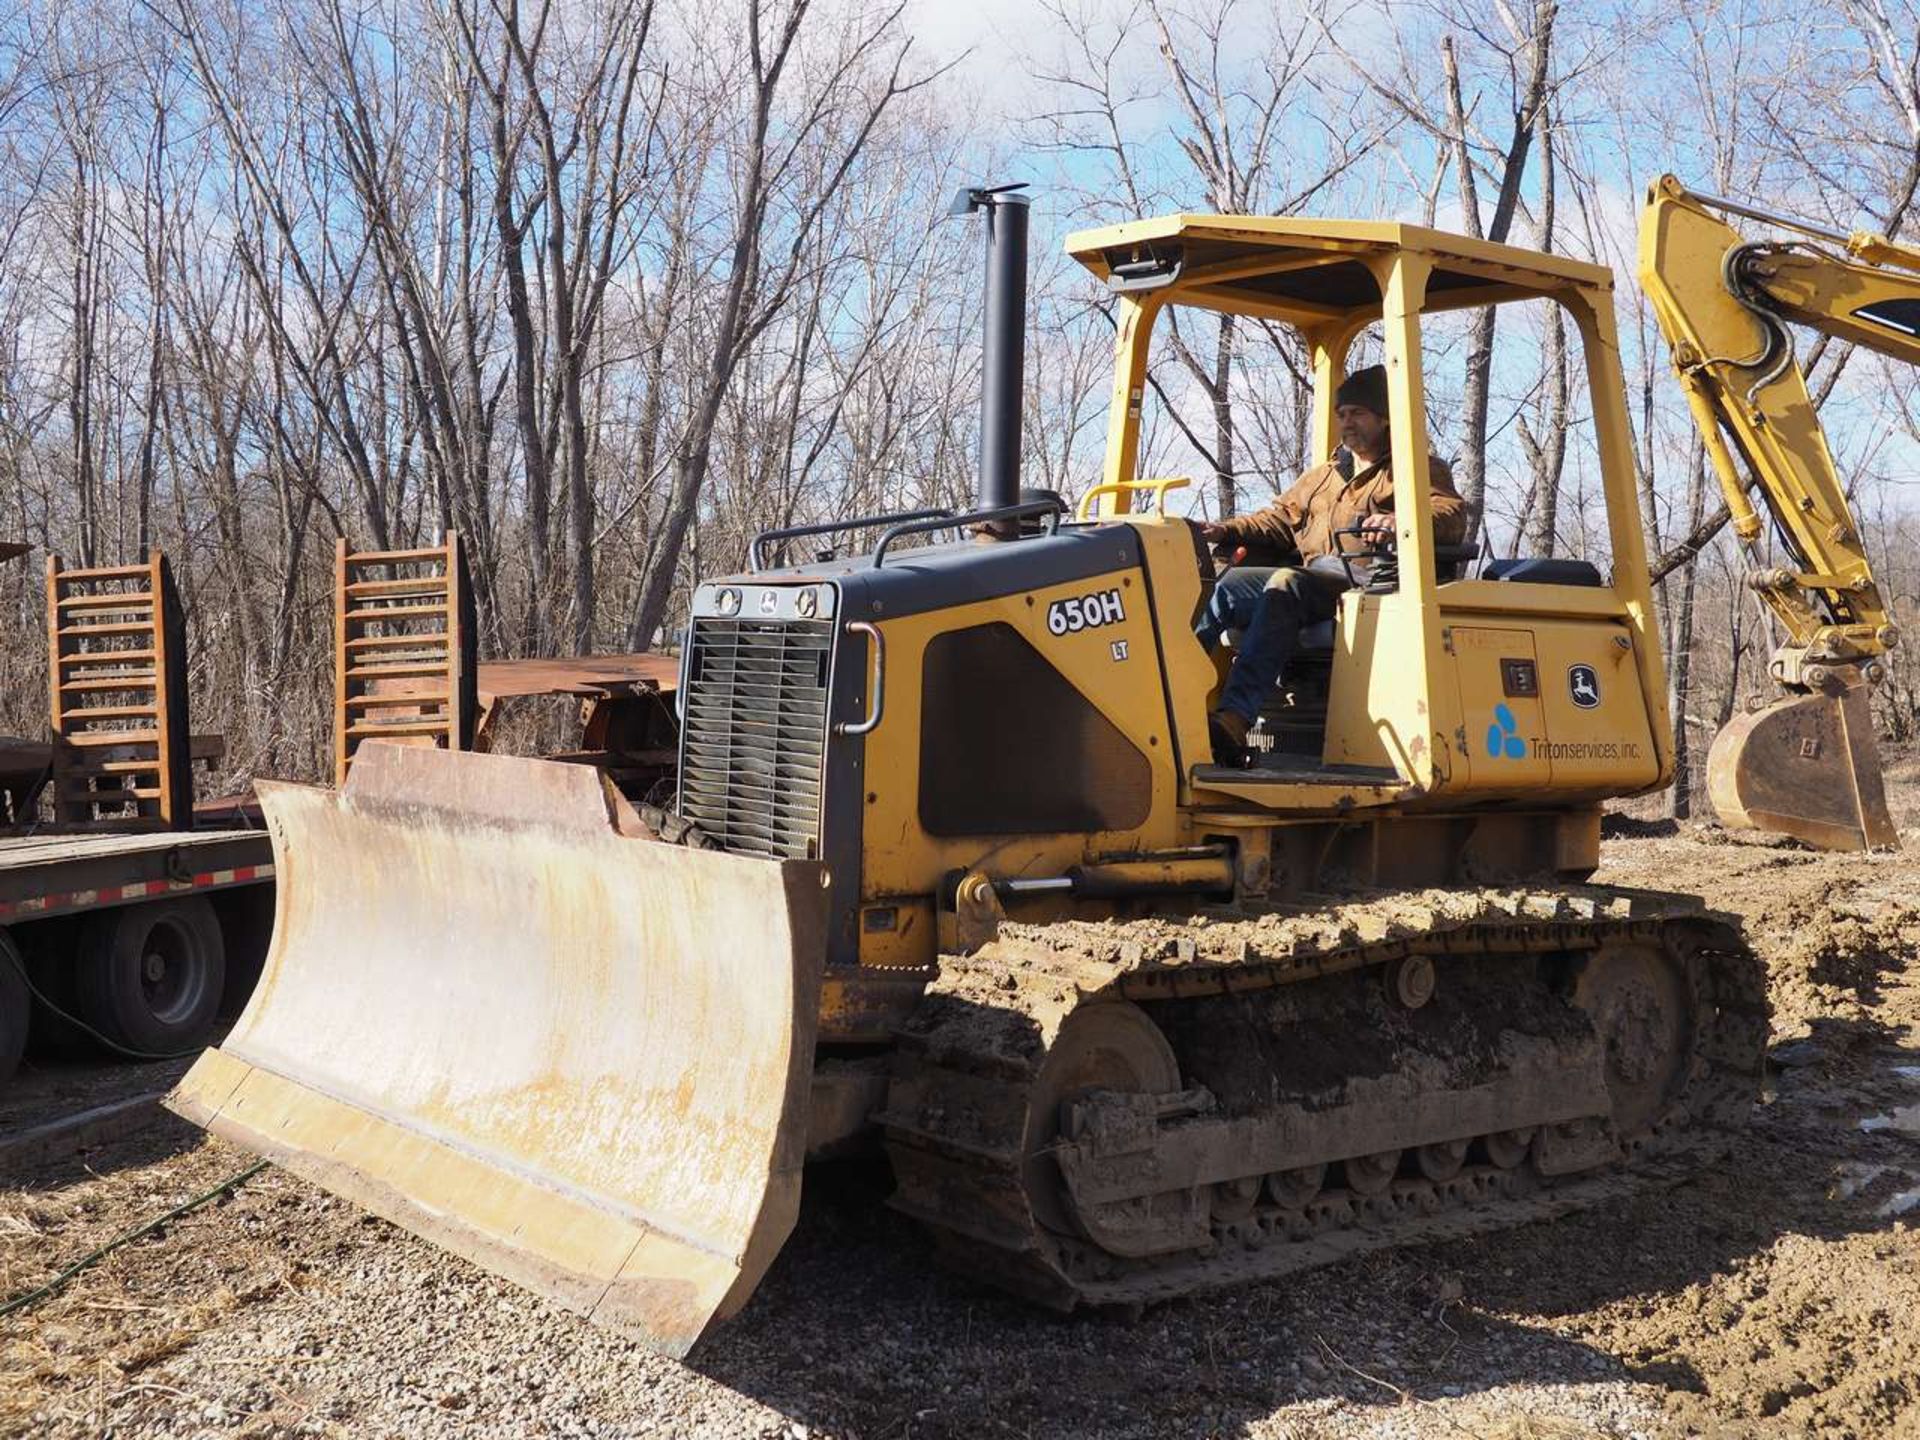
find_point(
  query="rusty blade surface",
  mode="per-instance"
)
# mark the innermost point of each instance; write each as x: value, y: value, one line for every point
x: 577, y: 1057
x: 1806, y: 766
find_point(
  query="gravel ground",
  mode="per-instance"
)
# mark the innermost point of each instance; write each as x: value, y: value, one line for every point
x: 1774, y: 1297
x: 48, y: 1091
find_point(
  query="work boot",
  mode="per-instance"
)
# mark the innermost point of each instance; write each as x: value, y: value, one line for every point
x: 1228, y: 731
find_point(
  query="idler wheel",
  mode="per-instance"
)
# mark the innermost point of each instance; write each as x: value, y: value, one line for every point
x: 1507, y: 1148
x: 1107, y: 1045
x: 1370, y: 1174
x: 1292, y: 1189
x: 1411, y: 981
x: 1642, y: 1011
x: 1442, y: 1159
x: 1233, y: 1200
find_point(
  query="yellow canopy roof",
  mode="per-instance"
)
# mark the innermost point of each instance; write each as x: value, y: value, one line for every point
x: 1304, y: 270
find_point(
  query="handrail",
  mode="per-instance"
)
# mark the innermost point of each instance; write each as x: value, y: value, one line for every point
x: 1051, y: 509
x: 756, y: 562
x: 1158, y: 488
x: 878, y: 705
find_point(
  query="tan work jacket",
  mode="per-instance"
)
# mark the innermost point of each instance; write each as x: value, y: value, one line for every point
x: 1320, y: 503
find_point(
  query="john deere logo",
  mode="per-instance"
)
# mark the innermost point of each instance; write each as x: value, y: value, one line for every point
x: 1502, y: 736
x: 1584, y: 686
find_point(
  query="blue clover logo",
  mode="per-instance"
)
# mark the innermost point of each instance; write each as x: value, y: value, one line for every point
x: 1501, y: 736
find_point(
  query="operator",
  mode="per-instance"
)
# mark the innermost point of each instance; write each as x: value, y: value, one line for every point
x: 1271, y: 606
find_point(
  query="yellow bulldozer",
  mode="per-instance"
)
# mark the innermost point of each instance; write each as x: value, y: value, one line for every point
x: 950, y: 868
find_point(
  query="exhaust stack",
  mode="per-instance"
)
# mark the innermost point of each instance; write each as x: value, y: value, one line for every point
x: 1003, y: 364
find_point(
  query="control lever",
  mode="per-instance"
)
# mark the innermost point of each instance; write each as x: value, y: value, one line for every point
x: 1374, y: 547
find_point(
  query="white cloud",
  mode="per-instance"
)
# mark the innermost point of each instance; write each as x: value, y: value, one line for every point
x: 992, y: 42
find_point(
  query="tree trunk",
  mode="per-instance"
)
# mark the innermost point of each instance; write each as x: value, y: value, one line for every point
x: 1472, y: 470
x: 1551, y: 454
x: 1680, y: 655
x: 1224, y: 488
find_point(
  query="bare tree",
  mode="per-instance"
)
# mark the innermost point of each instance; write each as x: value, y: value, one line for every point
x: 1520, y: 53
x: 612, y: 286
x: 1547, y: 448
x: 1244, y: 88
x: 584, y: 178
x: 437, y: 294
x: 787, y: 178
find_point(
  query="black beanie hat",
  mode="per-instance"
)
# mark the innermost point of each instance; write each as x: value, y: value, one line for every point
x: 1366, y: 387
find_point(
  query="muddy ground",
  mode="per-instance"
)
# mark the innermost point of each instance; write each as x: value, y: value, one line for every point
x: 1778, y: 1296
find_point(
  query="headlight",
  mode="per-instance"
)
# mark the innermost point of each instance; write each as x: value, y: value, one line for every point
x: 806, y: 603
x: 728, y: 601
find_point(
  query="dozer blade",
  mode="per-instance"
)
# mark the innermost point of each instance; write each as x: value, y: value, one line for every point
x: 1806, y: 766
x: 578, y: 1057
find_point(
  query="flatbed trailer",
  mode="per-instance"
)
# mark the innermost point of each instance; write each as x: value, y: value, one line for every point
x: 42, y: 876
x: 137, y: 942
x: 130, y: 918
x: 136, y: 917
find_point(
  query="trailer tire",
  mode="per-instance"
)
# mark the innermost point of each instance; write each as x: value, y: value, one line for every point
x: 149, y: 976
x: 14, y: 1006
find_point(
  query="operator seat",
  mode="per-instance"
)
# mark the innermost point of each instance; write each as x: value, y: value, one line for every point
x: 1296, y: 712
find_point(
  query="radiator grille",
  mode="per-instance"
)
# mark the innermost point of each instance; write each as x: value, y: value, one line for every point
x: 756, y: 731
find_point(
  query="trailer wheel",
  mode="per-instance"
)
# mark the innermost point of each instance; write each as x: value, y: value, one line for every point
x: 13, y: 1006
x: 149, y: 976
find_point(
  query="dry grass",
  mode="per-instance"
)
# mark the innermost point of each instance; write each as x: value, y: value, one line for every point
x: 71, y: 1357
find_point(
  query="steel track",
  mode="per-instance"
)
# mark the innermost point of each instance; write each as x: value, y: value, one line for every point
x: 957, y: 1112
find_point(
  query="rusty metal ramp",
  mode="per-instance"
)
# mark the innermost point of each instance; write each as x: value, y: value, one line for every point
x: 1806, y: 766
x: 492, y: 1014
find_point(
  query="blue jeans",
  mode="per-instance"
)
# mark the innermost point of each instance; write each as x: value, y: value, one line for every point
x: 1269, y: 608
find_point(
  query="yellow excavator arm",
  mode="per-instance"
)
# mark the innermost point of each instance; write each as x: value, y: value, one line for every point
x: 1806, y: 766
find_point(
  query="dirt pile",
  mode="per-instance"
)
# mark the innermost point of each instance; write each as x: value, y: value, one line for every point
x: 1814, y: 1336
x: 1795, y: 1315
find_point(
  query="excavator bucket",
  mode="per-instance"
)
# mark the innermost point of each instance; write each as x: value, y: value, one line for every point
x: 1806, y: 766
x: 491, y: 1013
